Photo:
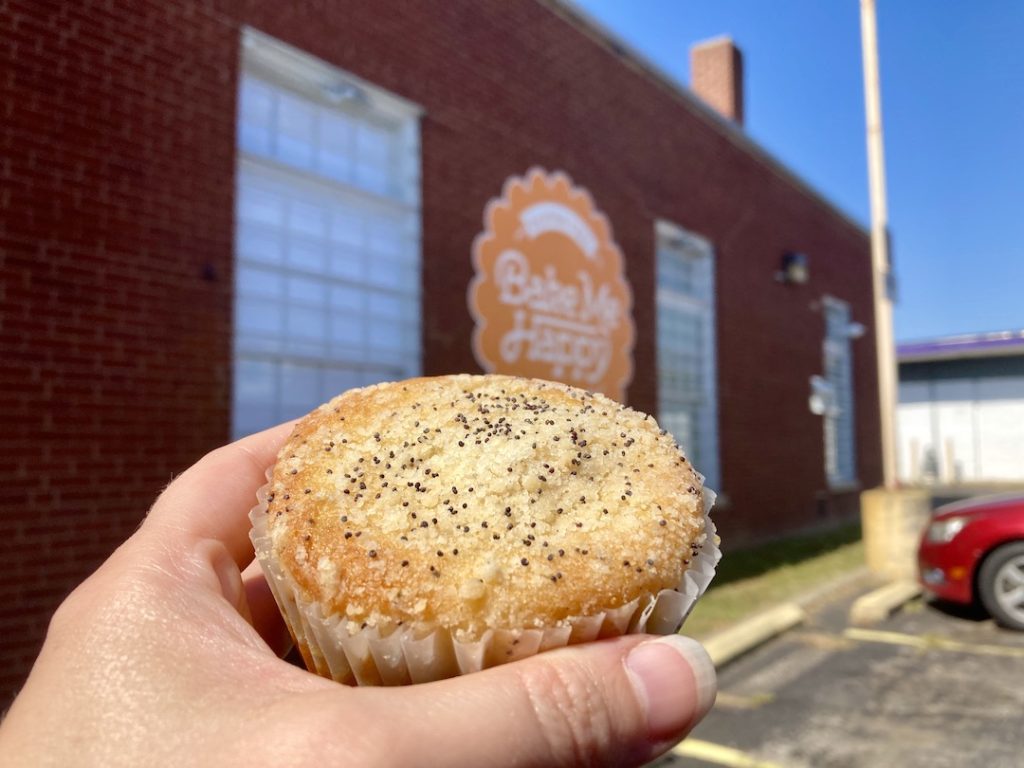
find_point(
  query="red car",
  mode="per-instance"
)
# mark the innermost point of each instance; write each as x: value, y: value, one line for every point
x: 974, y: 550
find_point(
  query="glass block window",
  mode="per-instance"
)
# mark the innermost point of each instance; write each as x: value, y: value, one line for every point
x: 354, y: 147
x: 686, y: 346
x: 840, y: 456
x: 327, y: 246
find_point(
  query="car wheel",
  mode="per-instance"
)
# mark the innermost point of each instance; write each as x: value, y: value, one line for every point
x: 1001, y: 585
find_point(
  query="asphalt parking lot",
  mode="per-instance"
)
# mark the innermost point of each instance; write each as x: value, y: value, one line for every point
x: 930, y: 686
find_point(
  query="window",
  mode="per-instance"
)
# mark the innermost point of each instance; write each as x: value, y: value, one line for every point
x: 686, y: 346
x: 840, y: 457
x: 327, y: 279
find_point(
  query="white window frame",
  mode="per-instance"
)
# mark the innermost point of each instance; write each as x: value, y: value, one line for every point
x: 706, y: 453
x: 286, y: 69
x: 839, y: 425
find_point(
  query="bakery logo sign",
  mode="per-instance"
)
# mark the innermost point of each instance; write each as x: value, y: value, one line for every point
x: 549, y: 296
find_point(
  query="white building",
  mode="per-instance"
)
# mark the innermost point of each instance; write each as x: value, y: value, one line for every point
x: 961, y: 409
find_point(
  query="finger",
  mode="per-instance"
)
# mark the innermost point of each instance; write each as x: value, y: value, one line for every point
x: 619, y: 702
x: 212, y: 498
x: 265, y: 616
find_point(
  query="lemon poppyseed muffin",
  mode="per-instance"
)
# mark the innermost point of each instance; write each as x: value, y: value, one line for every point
x: 419, y: 529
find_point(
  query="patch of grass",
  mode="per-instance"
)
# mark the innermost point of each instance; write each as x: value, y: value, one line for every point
x: 754, y: 561
x: 755, y: 579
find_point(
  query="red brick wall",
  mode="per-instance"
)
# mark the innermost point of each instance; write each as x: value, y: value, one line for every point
x: 116, y: 247
x: 115, y: 261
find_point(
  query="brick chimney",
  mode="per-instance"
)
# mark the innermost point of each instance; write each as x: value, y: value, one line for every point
x: 716, y: 75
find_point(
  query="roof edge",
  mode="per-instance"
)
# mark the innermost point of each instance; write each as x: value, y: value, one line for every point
x: 934, y: 357
x: 962, y: 346
x: 596, y: 30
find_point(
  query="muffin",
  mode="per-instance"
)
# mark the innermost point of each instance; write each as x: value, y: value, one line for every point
x: 421, y: 529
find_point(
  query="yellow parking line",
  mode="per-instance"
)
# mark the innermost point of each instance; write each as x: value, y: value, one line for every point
x: 719, y: 755
x: 726, y: 700
x: 930, y: 642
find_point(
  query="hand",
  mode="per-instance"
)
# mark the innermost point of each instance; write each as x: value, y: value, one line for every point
x: 167, y: 655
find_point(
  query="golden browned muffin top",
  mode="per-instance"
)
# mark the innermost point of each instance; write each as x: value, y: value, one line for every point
x: 476, y: 502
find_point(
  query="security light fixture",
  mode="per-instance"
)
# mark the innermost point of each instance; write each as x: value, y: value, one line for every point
x: 343, y: 92
x: 795, y: 269
x: 855, y: 330
x: 823, y: 396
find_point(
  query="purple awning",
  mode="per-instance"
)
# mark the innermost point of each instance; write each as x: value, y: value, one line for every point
x: 966, y: 345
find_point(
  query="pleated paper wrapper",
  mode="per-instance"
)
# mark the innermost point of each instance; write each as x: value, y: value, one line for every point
x: 409, y: 654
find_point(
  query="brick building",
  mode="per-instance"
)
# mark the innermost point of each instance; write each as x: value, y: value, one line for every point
x: 213, y: 214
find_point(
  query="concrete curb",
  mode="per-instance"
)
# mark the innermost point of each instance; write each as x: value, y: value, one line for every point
x: 740, y: 638
x: 859, y: 578
x: 728, y: 644
x: 883, y: 602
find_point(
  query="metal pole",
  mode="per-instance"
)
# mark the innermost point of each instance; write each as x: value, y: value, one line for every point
x: 884, y: 346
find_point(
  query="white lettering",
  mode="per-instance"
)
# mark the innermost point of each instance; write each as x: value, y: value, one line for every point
x: 518, y: 286
x: 566, y: 326
x: 555, y: 217
x: 549, y: 340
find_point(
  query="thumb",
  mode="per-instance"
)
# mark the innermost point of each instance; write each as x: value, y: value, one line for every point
x: 619, y: 702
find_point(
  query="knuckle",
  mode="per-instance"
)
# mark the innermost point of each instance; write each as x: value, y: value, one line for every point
x: 118, y: 593
x: 572, y: 714
x: 78, y: 607
x: 67, y: 615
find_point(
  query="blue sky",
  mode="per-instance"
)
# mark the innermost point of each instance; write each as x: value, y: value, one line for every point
x: 953, y: 112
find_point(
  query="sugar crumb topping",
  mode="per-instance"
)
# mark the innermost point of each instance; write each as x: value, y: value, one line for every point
x: 476, y: 502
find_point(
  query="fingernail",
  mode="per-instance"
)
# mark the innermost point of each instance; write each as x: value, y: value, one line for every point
x: 675, y: 681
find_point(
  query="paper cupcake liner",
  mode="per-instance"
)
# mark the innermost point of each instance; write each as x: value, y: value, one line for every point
x: 405, y: 655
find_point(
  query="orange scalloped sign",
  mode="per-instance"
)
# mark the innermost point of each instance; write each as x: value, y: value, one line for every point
x: 549, y: 297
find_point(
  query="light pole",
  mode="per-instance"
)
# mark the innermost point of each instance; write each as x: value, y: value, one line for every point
x: 880, y: 264
x: 892, y: 517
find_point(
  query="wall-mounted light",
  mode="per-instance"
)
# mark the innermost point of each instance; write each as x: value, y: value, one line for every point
x: 855, y: 330
x: 822, y: 399
x: 342, y: 91
x: 795, y: 269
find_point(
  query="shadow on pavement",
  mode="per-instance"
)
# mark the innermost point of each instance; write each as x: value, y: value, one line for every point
x: 973, y: 612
